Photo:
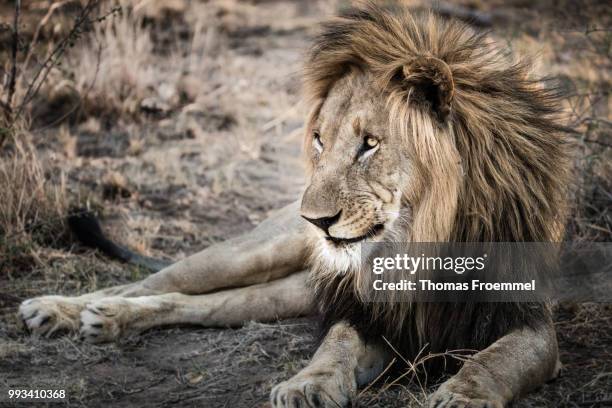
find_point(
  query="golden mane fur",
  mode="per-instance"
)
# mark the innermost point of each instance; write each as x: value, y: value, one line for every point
x: 500, y: 163
x: 495, y: 164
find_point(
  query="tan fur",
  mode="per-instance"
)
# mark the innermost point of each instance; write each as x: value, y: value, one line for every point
x: 341, y: 363
x: 110, y: 318
x: 269, y: 253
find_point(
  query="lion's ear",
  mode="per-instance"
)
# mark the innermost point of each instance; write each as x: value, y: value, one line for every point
x: 431, y: 82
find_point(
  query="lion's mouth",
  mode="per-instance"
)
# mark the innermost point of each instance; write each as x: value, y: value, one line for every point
x: 372, y: 233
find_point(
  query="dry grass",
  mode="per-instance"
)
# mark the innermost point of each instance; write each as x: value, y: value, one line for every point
x: 116, y: 72
x: 33, y: 206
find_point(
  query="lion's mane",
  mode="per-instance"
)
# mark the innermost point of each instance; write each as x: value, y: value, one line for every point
x: 508, y: 183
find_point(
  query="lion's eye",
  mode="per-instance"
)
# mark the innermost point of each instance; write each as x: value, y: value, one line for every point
x: 316, y: 141
x: 369, y: 147
x: 371, y: 142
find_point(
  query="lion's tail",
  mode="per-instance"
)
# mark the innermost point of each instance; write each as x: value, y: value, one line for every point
x: 85, y: 226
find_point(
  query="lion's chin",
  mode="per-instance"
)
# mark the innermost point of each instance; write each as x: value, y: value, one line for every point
x: 343, y: 256
x: 339, y: 258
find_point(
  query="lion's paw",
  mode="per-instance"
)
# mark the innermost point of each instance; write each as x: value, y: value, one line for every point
x: 313, y: 390
x: 444, y: 397
x: 46, y: 315
x: 105, y: 320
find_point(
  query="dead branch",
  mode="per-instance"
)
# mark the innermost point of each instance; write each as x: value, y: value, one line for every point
x: 7, y: 106
x: 78, y: 28
x: 43, y: 22
x: 82, y: 24
x: 15, y: 48
x: 84, y: 96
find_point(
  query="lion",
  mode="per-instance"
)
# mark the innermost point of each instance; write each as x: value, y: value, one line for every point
x: 421, y: 130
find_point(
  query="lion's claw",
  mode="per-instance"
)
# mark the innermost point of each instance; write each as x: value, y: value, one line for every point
x: 312, y: 391
x: 47, y: 315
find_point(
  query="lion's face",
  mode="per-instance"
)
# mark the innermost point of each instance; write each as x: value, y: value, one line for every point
x: 356, y: 185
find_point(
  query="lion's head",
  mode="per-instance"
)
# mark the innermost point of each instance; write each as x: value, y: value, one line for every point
x: 422, y: 130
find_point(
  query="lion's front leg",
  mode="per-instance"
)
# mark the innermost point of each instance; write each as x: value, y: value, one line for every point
x: 277, y: 248
x: 510, y: 367
x: 46, y: 315
x: 340, y: 365
x: 111, y: 318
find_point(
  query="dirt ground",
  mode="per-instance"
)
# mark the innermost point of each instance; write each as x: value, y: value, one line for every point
x: 205, y: 157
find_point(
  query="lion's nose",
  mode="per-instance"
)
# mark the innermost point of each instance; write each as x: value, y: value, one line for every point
x: 324, y: 222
